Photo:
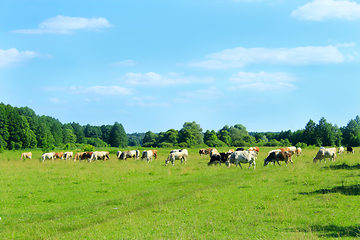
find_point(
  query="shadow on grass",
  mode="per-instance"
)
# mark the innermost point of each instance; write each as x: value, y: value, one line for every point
x: 333, y: 231
x: 346, y: 190
x: 343, y: 166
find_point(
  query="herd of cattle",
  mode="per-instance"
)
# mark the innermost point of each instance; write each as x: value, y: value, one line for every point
x: 236, y: 157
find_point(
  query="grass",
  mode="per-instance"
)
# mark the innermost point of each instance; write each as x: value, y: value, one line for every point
x: 137, y: 200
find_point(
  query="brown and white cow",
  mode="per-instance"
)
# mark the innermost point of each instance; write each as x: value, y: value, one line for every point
x: 26, y: 155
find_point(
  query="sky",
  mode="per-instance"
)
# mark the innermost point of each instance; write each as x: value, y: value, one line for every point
x: 270, y: 65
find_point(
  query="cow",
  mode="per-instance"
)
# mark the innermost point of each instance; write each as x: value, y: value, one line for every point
x: 350, y: 149
x: 59, y: 155
x: 207, y: 151
x: 341, y: 150
x: 26, y: 155
x: 99, y: 155
x: 238, y: 157
x: 175, y: 156
x: 118, y: 154
x: 155, y: 153
x: 324, y: 153
x: 128, y: 154
x: 219, y: 158
x: 289, y: 149
x: 256, y: 149
x: 68, y: 155
x: 137, y: 154
x: 298, y: 152
x: 148, y: 155
x: 278, y: 155
x: 213, y: 151
x: 202, y: 152
x: 47, y: 156
x: 82, y: 155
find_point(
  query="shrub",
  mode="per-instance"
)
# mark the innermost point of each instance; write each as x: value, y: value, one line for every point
x: 301, y: 145
x: 89, y: 148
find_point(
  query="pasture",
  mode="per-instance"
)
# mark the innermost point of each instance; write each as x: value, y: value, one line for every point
x: 133, y: 199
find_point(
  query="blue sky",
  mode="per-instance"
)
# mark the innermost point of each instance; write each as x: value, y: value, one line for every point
x: 269, y: 65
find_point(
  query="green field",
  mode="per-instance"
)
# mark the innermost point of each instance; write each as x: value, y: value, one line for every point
x: 137, y: 200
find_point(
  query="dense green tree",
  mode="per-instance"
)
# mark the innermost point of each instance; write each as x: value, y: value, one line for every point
x: 149, y: 139
x: 79, y: 132
x: 117, y: 137
x: 309, y: 136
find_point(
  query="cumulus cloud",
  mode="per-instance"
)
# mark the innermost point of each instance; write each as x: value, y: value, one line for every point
x: 319, y: 10
x: 67, y: 25
x: 155, y: 79
x: 13, y: 57
x: 238, y: 57
x: 126, y: 63
x: 262, y: 81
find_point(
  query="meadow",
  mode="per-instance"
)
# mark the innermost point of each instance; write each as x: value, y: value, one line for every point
x: 134, y: 199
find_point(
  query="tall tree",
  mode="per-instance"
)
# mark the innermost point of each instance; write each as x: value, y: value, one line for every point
x: 117, y: 137
x: 191, y: 134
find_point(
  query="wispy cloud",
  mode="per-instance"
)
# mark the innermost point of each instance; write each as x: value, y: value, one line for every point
x: 67, y: 25
x: 94, y: 90
x: 262, y: 81
x: 238, y: 57
x: 155, y: 79
x: 126, y: 63
x: 13, y: 57
x: 319, y: 10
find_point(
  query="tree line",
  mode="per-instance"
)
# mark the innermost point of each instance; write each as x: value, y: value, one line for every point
x: 21, y: 128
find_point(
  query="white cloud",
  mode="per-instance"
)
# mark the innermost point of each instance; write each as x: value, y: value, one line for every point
x: 126, y: 63
x: 238, y: 57
x: 262, y: 81
x: 66, y: 25
x: 94, y: 90
x: 319, y: 10
x: 155, y: 79
x: 246, y: 77
x: 13, y: 57
x: 55, y: 100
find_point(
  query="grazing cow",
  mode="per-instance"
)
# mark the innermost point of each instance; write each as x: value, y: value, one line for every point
x: 238, y: 157
x: 256, y: 149
x: 137, y: 155
x: 298, y: 152
x: 118, y: 154
x: 341, y: 150
x: 59, y: 155
x: 175, y: 156
x: 202, y: 152
x: 350, y: 149
x: 128, y: 154
x: 219, y: 158
x: 82, y: 155
x: 278, y: 155
x: 148, y: 155
x: 68, y: 155
x: 240, y: 149
x: 213, y: 151
x: 324, y: 153
x: 155, y: 153
x: 207, y: 151
x: 99, y: 155
x: 47, y: 156
x: 78, y: 156
x: 289, y: 149
x: 26, y: 155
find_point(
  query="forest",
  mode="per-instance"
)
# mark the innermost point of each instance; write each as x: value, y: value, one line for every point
x: 21, y: 128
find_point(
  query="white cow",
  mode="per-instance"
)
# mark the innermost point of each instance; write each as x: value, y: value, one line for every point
x: 128, y: 154
x: 242, y: 157
x: 292, y: 150
x: 47, y: 156
x: 148, y: 155
x: 298, y: 151
x: 99, y: 155
x: 175, y: 156
x: 26, y: 155
x: 341, y: 150
x: 324, y: 153
x: 68, y: 155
